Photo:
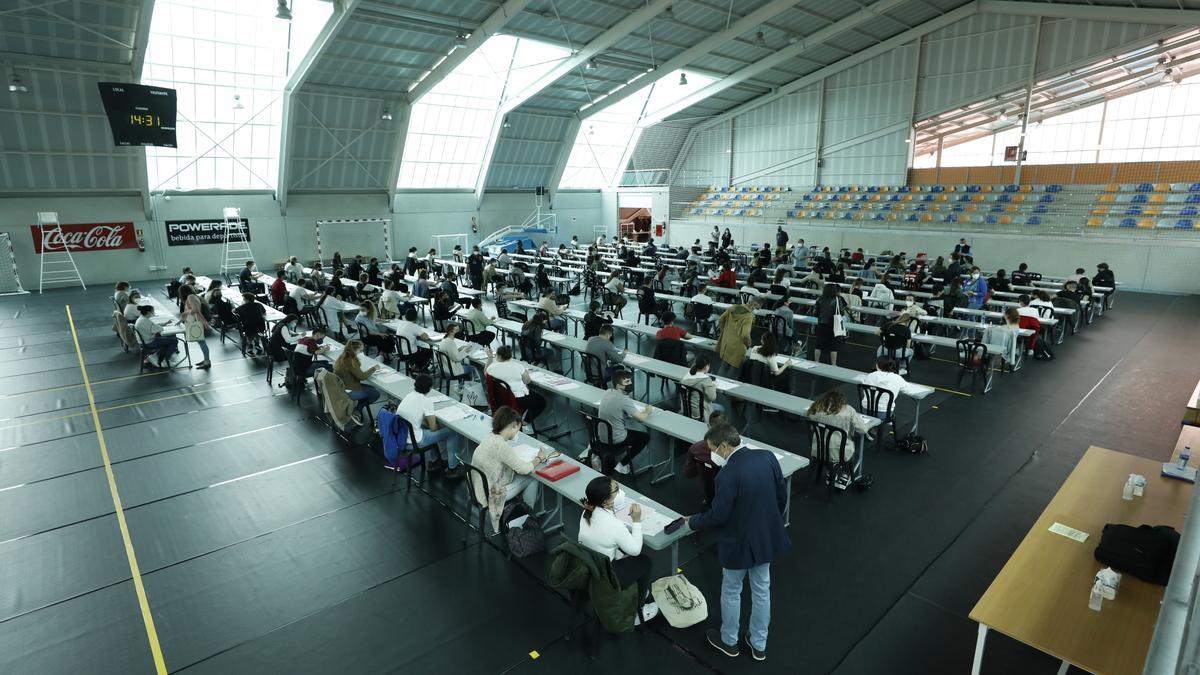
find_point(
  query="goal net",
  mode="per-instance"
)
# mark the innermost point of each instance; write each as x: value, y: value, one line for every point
x: 368, y: 237
x: 10, y: 281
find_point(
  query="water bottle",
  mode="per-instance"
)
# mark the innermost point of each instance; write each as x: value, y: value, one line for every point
x: 1096, y: 600
x: 1127, y: 492
x: 1184, y: 457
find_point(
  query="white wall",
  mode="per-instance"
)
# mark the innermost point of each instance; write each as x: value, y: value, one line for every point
x: 1151, y: 265
x: 273, y: 238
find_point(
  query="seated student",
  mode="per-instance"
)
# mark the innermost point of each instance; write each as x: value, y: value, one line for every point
x: 814, y: 279
x: 449, y: 286
x: 615, y: 290
x: 553, y: 310
x: 912, y: 309
x: 1071, y: 290
x: 602, y: 347
x: 247, y: 278
x: 337, y: 265
x: 312, y: 345
x: 767, y: 354
x: 594, y: 320
x: 601, y: 531
x: 669, y: 330
x: 516, y: 376
x: 701, y: 297
x: 1021, y: 276
x: 531, y: 339
x: 1023, y: 307
x: 392, y: 300
x: 293, y: 270
x: 882, y: 291
x: 318, y: 277
x: 884, y: 376
x: 371, y: 332
x: 278, y: 289
x: 348, y: 367
x: 1080, y: 273
x: 417, y: 409
x: 896, y: 337
x: 132, y: 302
x: 421, y: 287
x: 253, y: 317
x: 699, y: 378
x: 366, y: 289
x: 458, y: 353
x: 121, y: 295
x: 868, y: 271
x: 284, y: 336
x: 938, y: 269
x: 615, y: 406
x: 727, y: 278
x: 374, y: 277
x: 1000, y: 282
x: 190, y: 282
x: 1104, y: 281
x: 184, y: 274
x: 214, y: 288
x: 832, y: 409
x: 1005, y: 337
x: 297, y: 299
x: 500, y: 464
x: 164, y: 346
x: 443, y: 308
x: 787, y: 318
x: 857, y: 256
x: 699, y: 460
x: 418, y: 342
x: 1041, y: 299
x: 480, y: 321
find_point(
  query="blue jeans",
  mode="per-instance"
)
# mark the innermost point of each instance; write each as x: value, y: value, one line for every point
x: 365, y: 396
x: 445, y: 436
x: 731, y: 604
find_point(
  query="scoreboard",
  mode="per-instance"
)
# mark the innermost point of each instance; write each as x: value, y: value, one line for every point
x: 139, y: 114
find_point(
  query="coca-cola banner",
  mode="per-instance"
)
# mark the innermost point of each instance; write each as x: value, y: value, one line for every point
x: 191, y: 232
x: 84, y: 237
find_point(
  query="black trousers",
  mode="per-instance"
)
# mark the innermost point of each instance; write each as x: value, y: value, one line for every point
x: 483, y: 337
x: 636, y: 442
x: 633, y: 570
x: 532, y: 405
x: 383, y: 344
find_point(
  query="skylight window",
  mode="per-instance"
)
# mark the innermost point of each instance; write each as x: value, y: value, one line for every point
x: 449, y: 127
x: 605, y: 139
x: 229, y: 61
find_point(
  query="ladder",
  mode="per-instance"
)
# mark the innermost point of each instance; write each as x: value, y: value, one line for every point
x: 236, y: 246
x: 57, y: 265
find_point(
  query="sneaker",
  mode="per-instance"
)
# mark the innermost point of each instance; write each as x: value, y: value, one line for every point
x: 714, y: 639
x: 903, y: 371
x: 649, y: 611
x: 204, y: 365
x: 758, y: 654
x: 437, y: 465
x: 456, y: 473
x: 623, y: 469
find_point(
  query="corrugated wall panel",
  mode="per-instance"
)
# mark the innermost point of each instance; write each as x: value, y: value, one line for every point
x: 658, y: 147
x: 776, y: 132
x: 323, y: 124
x: 708, y: 161
x: 1067, y: 41
x: 982, y: 55
x: 526, y: 151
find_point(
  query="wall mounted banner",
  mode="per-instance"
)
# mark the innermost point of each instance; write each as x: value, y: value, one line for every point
x: 192, y: 232
x: 84, y: 237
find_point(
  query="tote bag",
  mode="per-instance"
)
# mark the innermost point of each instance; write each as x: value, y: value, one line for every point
x: 839, y: 321
x: 193, y: 330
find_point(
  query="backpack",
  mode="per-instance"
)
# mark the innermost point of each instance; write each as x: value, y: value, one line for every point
x: 1145, y: 552
x: 913, y: 444
x: 527, y: 539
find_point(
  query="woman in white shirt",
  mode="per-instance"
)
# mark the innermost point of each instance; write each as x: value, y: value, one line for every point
x: 884, y: 377
x: 699, y: 379
x: 601, y: 531
x: 882, y: 291
x: 456, y: 352
x: 766, y: 354
x: 294, y: 270
x: 504, y: 469
x: 131, y: 305
x: 516, y: 376
x: 164, y: 346
x: 833, y: 410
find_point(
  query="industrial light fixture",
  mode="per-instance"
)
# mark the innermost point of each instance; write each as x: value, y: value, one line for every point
x: 17, y: 86
x: 386, y: 116
x: 1004, y: 113
x: 460, y: 40
x: 237, y: 102
x: 590, y: 65
x: 759, y: 39
x: 282, y: 11
x: 1176, y: 75
x: 507, y: 124
x: 682, y: 79
x: 1161, y: 64
x: 669, y: 13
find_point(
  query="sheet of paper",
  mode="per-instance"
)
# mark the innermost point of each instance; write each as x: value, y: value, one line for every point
x: 653, y: 522
x: 438, y: 397
x: 635, y: 358
x: 622, y: 322
x: 553, y: 337
x: 1069, y: 532
x: 726, y: 385
x: 804, y: 364
x: 453, y: 413
x: 389, y: 376
x: 526, y: 452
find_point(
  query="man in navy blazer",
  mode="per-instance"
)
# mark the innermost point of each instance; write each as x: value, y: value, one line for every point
x: 747, y: 512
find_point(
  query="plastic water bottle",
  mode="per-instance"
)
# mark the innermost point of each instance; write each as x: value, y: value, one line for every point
x: 1096, y: 600
x: 1185, y: 456
x: 1127, y: 492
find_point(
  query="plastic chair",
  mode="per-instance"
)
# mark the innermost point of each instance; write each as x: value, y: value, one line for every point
x: 824, y: 437
x: 973, y: 359
x: 873, y: 399
x: 691, y: 402
x: 608, y: 451
x: 593, y: 370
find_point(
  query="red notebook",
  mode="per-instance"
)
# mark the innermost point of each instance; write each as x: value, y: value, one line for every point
x: 557, y: 469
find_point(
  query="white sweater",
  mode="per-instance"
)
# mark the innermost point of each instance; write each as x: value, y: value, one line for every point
x: 607, y: 535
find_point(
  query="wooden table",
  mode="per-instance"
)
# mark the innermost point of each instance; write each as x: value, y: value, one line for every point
x: 1192, y: 414
x: 1041, y: 596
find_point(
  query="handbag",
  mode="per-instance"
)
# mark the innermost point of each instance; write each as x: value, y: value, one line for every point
x: 679, y: 601
x: 193, y: 330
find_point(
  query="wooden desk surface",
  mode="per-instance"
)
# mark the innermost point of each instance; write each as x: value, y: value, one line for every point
x: 1041, y: 595
x: 1192, y: 414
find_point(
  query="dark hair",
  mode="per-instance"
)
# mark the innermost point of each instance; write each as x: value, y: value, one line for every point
x: 423, y: 384
x: 184, y: 292
x: 886, y: 363
x: 145, y: 309
x: 700, y: 363
x: 503, y: 417
x: 1023, y: 298
x: 715, y: 417
x: 621, y: 376
x: 723, y: 434
x: 781, y: 302
x: 477, y: 303
x: 504, y: 352
x: 767, y: 346
x: 410, y: 315
x: 829, y: 291
x: 598, y: 490
x: 606, y: 329
x: 594, y: 306
x: 279, y: 274
x: 666, y: 318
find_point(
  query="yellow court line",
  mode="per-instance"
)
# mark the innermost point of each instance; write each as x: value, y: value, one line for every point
x: 147, y: 618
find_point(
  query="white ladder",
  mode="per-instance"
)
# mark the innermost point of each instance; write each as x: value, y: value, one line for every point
x: 57, y: 264
x: 237, y: 247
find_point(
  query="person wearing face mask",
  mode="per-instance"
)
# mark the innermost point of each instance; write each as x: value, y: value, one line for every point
x: 747, y: 511
x: 912, y: 309
x: 499, y: 462
x: 615, y: 407
x: 601, y: 531
x: 975, y: 289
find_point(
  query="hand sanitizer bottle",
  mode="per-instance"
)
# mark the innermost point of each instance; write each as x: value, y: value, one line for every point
x: 1185, y: 456
x: 1127, y: 492
x: 1097, y: 598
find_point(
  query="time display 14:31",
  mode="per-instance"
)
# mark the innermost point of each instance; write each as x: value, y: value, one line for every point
x: 146, y: 120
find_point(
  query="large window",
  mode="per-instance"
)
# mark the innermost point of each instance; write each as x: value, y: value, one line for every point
x: 605, y: 139
x: 450, y: 126
x: 229, y: 61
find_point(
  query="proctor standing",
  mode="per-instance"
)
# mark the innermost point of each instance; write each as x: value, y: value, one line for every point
x: 747, y: 512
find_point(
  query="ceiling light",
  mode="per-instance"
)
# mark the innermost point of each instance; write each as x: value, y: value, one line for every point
x: 591, y: 129
x: 682, y: 79
x: 759, y: 39
x: 1004, y: 114
x: 669, y: 13
x: 507, y: 124
x: 386, y: 116
x: 460, y: 40
x: 282, y: 11
x: 16, y: 85
x: 1176, y: 75
x: 1161, y: 65
x: 793, y: 39
x: 237, y: 102
x: 590, y: 65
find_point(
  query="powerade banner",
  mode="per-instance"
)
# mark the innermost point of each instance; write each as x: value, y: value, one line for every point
x: 84, y: 237
x: 192, y: 232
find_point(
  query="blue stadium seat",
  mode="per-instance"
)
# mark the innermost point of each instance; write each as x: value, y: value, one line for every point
x: 1012, y: 188
x: 878, y: 216
x: 1127, y: 222
x: 964, y: 198
x: 1144, y: 187
x: 1194, y: 187
x: 938, y: 188
x: 1184, y: 224
x: 1054, y: 187
x: 972, y: 188
x: 1046, y: 199
x: 1033, y: 220
x: 1040, y: 208
x: 912, y: 218
x: 1139, y: 199
x: 1004, y: 199
x: 905, y: 188
x: 1133, y: 210
x: 1193, y: 198
x: 1189, y: 211
x: 990, y: 220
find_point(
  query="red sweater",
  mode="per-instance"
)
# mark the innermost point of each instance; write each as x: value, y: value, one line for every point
x: 726, y: 279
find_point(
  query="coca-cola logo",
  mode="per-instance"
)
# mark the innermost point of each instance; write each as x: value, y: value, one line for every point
x: 83, y: 237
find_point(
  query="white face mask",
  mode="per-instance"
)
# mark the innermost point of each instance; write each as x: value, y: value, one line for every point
x: 910, y: 302
x: 620, y: 500
x: 717, y: 460
x: 975, y: 275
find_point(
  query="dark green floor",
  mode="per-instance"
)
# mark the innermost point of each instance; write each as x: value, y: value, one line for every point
x: 269, y: 545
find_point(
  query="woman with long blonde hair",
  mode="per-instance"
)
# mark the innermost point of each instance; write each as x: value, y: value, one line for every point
x: 348, y: 368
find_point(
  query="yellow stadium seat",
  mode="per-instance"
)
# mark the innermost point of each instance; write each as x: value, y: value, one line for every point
x: 860, y: 215
x: 873, y: 198
x: 1026, y: 188
x: 1146, y: 224
x: 1153, y: 210
x: 986, y: 188
x: 892, y: 216
x: 977, y: 198
x: 971, y: 208
x: 1158, y: 199
x: 1005, y: 220
x: 1100, y: 211
x: 1107, y: 199
x: 1011, y: 208
x: 943, y: 197
x: 906, y: 198
x: 926, y: 218
x: 1095, y: 222
x: 1017, y: 199
x: 1112, y: 187
x: 964, y: 219
x: 1162, y: 187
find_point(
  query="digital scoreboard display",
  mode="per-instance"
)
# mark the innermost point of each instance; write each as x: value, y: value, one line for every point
x: 140, y: 115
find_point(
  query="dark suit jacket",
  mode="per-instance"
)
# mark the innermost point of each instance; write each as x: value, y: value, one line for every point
x: 747, y: 510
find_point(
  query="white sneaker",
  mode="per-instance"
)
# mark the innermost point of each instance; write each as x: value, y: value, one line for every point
x: 649, y: 611
x: 904, y: 371
x: 623, y: 469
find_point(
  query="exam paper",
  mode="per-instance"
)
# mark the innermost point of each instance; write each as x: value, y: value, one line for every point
x: 453, y: 413
x: 653, y: 522
x: 526, y: 452
x: 635, y: 358
x: 725, y: 385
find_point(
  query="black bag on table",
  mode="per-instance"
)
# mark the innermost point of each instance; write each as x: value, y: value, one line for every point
x: 1147, y: 552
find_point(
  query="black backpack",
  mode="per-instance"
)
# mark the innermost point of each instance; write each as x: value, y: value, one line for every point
x: 526, y: 540
x: 913, y: 444
x: 1145, y: 552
